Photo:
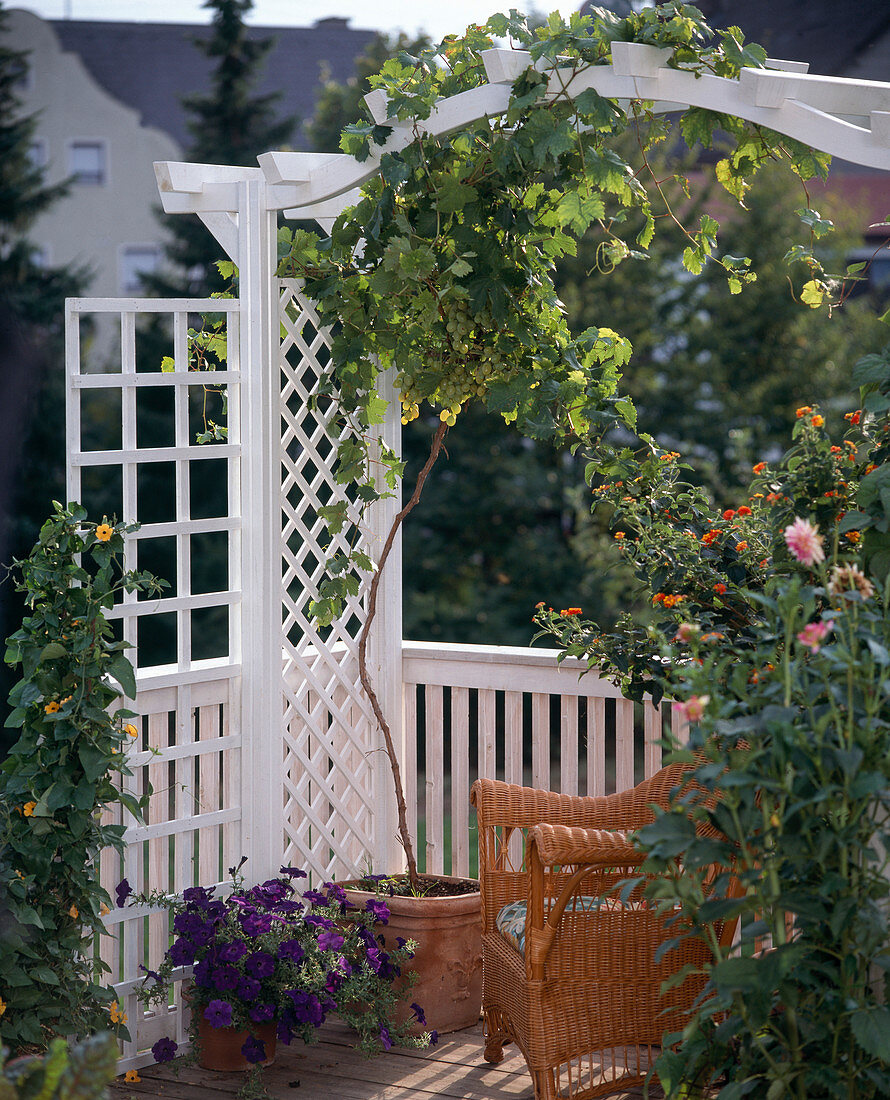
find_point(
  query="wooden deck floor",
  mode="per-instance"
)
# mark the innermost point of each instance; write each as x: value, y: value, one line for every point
x: 333, y: 1070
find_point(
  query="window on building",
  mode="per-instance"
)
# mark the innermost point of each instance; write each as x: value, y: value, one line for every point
x: 37, y: 153
x: 137, y: 260
x: 87, y: 162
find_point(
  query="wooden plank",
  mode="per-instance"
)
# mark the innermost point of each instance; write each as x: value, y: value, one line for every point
x: 158, y: 847
x: 513, y: 735
x: 624, y: 745
x: 596, y: 746
x: 334, y: 1069
x: 680, y: 726
x: 568, y: 744
x: 487, y: 735
x: 513, y: 762
x: 208, y: 797
x: 652, y: 739
x: 409, y: 712
x: 435, y: 767
x: 541, y: 741
x: 460, y: 780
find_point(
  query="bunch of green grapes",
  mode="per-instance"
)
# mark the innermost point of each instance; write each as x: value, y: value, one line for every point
x: 463, y: 354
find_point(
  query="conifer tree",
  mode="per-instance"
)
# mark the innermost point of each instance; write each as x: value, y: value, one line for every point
x: 230, y: 125
x: 32, y: 437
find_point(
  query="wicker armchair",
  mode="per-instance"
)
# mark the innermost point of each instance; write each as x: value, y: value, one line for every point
x: 582, y: 1000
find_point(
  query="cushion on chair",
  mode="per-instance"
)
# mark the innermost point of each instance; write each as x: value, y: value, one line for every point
x: 510, y: 921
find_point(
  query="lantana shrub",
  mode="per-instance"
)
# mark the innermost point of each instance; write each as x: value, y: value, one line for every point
x: 270, y: 954
x: 773, y: 639
x: 59, y: 778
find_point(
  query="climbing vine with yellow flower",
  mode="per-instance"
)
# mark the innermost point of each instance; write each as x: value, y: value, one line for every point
x: 60, y: 776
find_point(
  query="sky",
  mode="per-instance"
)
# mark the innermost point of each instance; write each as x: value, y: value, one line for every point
x: 436, y: 17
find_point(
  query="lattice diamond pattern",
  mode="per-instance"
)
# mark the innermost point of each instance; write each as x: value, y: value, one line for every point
x: 328, y: 724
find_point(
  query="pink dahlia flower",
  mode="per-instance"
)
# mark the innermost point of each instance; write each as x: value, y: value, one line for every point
x: 814, y: 634
x: 693, y: 708
x: 804, y: 541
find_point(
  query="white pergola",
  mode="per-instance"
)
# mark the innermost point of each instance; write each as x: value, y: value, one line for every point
x: 272, y: 749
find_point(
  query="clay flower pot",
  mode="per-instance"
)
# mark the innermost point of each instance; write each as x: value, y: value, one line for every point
x: 448, y: 960
x: 219, y: 1048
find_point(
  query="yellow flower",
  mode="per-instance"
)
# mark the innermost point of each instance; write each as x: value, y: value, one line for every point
x: 114, y: 1012
x: 29, y: 808
x: 52, y: 707
x: 774, y: 820
x: 73, y: 912
x: 132, y: 1077
x: 2, y: 1006
x: 104, y: 532
x: 130, y: 730
x: 104, y: 911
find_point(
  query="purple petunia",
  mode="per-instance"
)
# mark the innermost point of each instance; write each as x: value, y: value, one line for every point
x: 379, y: 908
x: 285, y: 1032
x: 225, y: 978
x: 307, y: 1009
x: 232, y: 952
x: 385, y: 1037
x: 260, y: 1014
x: 374, y: 960
x: 218, y: 1014
x: 249, y: 989
x: 187, y: 924
x: 434, y: 1037
x: 292, y: 872
x: 315, y: 898
x: 123, y: 891
x: 418, y: 1012
x: 260, y: 964
x: 203, y: 973
x: 330, y: 941
x: 315, y: 921
x: 254, y: 924
x: 164, y: 1050
x: 182, y: 953
x: 254, y: 1050
x: 336, y: 892
x: 196, y: 894
x: 291, y: 950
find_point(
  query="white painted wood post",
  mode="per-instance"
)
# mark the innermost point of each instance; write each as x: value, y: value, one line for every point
x: 262, y: 790
x: 385, y: 652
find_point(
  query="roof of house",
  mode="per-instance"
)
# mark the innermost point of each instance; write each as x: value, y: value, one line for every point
x: 828, y: 34
x: 151, y: 66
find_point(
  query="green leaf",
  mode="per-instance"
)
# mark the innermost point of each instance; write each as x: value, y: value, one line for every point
x: 871, y: 1028
x: 454, y: 195
x: 93, y: 760
x: 578, y: 210
x: 121, y: 669
x: 812, y: 294
x: 53, y: 652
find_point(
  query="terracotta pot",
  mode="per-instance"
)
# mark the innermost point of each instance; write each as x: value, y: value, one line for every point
x: 448, y: 960
x: 219, y: 1048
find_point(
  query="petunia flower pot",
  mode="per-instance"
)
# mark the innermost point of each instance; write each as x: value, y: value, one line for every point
x: 219, y: 1048
x: 448, y: 960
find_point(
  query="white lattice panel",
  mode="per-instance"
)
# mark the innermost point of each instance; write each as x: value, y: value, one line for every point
x: 328, y: 723
x: 133, y: 454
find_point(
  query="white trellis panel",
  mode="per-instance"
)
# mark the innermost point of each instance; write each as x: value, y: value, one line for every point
x: 188, y: 752
x: 336, y: 794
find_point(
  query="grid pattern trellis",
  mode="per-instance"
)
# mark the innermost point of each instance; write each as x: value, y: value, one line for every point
x: 328, y: 723
x: 132, y: 452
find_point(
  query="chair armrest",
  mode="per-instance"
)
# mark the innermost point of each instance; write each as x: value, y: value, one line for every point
x: 563, y: 845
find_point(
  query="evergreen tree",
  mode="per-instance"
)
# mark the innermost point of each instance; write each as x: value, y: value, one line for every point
x: 230, y: 125
x: 339, y: 104
x: 32, y: 436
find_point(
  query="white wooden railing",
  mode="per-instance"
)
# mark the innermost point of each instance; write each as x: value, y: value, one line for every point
x: 513, y: 714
